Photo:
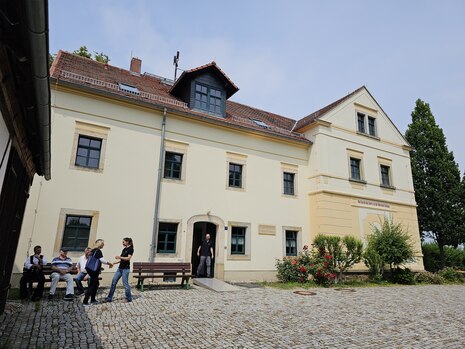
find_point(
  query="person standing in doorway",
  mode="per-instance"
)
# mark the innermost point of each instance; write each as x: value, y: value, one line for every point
x: 205, y: 252
x: 123, y: 271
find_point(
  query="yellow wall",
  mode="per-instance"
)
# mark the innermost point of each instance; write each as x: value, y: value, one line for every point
x: 120, y: 195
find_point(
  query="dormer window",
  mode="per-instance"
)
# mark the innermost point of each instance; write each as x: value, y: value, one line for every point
x: 128, y: 88
x: 208, y: 99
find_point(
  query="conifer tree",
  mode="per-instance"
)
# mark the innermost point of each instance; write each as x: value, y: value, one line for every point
x: 436, y: 178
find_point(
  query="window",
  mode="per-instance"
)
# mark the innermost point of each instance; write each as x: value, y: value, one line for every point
x: 76, y: 232
x: 355, y: 172
x: 260, y: 123
x: 361, y: 122
x: 238, y: 240
x: 288, y: 183
x: 173, y: 165
x: 364, y: 121
x: 291, y: 243
x: 128, y: 88
x: 235, y: 175
x: 371, y: 126
x: 385, y: 180
x: 167, y: 237
x: 208, y: 99
x: 88, y: 152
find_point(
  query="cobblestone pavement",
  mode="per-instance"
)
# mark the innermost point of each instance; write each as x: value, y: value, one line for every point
x: 383, y: 317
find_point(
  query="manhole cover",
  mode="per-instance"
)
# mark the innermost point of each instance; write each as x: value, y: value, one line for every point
x: 305, y: 293
x: 344, y: 289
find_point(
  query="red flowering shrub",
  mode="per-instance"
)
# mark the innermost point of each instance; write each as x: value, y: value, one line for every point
x: 307, y: 263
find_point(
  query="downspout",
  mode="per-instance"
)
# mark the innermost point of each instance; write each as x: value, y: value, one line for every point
x: 157, y: 198
x: 37, y: 25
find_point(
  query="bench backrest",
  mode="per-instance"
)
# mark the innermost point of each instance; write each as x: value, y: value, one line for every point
x: 158, y: 267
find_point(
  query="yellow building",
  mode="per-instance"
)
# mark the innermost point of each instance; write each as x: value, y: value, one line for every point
x: 166, y: 162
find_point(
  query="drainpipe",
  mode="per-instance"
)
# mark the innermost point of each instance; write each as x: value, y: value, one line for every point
x: 157, y: 198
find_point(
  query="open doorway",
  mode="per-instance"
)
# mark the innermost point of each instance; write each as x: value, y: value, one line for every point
x: 200, y: 230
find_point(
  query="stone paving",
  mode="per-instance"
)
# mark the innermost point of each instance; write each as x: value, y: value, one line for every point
x: 382, y: 317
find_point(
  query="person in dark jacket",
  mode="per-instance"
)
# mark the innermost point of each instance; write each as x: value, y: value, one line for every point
x: 205, y: 252
x: 94, y: 275
x: 33, y: 272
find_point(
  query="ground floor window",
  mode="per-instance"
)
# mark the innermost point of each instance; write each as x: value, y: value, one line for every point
x: 167, y: 237
x: 76, y: 232
x: 238, y: 240
x: 291, y: 243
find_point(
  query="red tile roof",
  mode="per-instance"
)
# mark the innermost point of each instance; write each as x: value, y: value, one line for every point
x: 319, y: 113
x: 86, y: 73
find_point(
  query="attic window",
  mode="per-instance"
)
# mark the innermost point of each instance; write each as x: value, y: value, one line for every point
x: 209, y: 99
x: 260, y: 123
x: 128, y: 88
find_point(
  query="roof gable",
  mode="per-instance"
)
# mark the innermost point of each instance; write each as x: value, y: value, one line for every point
x: 210, y: 68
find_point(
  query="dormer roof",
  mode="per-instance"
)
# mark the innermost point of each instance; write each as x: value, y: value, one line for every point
x: 212, y: 68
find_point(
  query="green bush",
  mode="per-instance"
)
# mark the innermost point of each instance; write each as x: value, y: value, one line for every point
x: 450, y: 274
x: 427, y: 277
x: 403, y: 276
x: 392, y: 242
x: 374, y: 262
x: 454, y: 257
x: 299, y: 269
x: 345, y: 252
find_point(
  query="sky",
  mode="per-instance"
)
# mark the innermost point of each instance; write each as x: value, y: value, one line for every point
x: 290, y: 57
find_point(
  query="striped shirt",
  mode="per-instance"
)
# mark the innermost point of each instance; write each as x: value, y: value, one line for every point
x: 62, y: 263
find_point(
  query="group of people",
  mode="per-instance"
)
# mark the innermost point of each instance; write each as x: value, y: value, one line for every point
x: 63, y: 265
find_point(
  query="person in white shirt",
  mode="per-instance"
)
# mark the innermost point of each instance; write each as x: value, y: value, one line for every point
x: 33, y: 272
x: 82, y: 272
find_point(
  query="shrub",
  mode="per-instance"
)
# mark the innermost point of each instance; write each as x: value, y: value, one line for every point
x: 403, y: 276
x: 374, y: 262
x: 392, y: 243
x: 345, y: 252
x: 299, y: 268
x: 450, y: 274
x: 454, y: 257
x: 427, y: 277
x: 295, y: 269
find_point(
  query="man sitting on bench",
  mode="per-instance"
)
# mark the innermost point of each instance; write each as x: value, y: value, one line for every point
x: 62, y: 267
x: 33, y: 272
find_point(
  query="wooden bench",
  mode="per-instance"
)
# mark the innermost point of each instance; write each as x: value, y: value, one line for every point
x: 47, y: 271
x: 148, y: 270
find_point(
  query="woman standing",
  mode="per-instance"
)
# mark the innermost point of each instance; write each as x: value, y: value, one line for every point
x: 123, y: 270
x: 94, y: 275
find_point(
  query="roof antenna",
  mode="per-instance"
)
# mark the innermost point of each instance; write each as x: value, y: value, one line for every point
x: 175, y: 63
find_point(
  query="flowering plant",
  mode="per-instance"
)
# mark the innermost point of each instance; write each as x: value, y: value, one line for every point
x: 307, y: 263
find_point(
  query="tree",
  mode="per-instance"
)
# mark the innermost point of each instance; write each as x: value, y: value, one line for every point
x: 392, y: 243
x: 101, y: 57
x: 83, y: 52
x: 346, y: 252
x: 436, y: 179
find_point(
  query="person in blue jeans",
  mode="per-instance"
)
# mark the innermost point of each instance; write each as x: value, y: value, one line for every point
x: 123, y: 271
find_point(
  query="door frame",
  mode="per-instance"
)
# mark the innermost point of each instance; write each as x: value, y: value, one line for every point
x: 219, y: 243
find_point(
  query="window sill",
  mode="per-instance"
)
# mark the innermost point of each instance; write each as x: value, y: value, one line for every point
x: 390, y: 187
x: 289, y: 196
x: 368, y: 135
x: 358, y: 181
x: 173, y: 180
x: 238, y: 257
x: 235, y: 188
x: 86, y: 169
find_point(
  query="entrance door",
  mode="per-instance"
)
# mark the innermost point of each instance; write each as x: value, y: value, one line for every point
x: 200, y: 230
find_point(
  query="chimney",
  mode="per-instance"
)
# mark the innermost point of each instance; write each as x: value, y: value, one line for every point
x: 136, y: 65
